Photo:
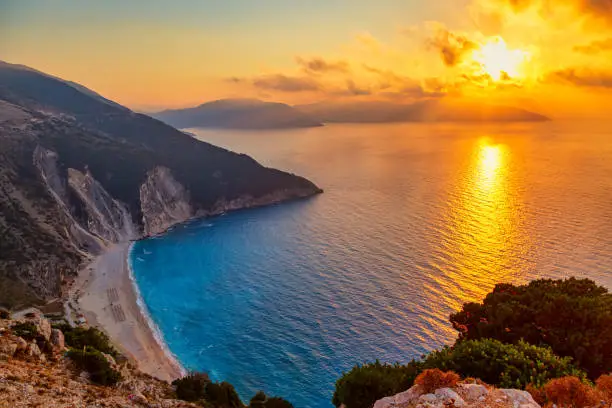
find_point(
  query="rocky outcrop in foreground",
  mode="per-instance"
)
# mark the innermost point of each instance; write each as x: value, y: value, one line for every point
x: 462, y: 395
x: 31, y: 377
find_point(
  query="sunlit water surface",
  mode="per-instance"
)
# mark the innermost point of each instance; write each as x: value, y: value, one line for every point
x: 415, y: 221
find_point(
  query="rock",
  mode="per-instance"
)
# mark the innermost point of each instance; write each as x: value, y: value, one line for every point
x: 403, y: 399
x: 449, y: 397
x: 32, y: 351
x: 22, y: 345
x: 464, y: 396
x: 518, y: 398
x: 138, y: 398
x: 474, y: 392
x: 57, y: 341
x: 8, y: 347
x: 42, y: 325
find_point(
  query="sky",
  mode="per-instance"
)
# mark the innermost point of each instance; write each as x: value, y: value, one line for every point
x: 550, y: 56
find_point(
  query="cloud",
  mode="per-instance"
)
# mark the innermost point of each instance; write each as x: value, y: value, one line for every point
x: 319, y: 65
x: 285, y: 83
x: 451, y: 46
x: 355, y: 90
x: 595, y: 47
x: 601, y: 9
x: 581, y: 77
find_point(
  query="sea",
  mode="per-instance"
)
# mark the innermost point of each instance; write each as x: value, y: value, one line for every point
x: 416, y: 220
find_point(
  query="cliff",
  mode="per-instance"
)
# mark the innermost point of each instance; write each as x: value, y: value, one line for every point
x: 79, y: 172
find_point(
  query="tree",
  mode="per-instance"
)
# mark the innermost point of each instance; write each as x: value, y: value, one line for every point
x: 573, y: 317
x: 192, y: 387
x: 365, y: 384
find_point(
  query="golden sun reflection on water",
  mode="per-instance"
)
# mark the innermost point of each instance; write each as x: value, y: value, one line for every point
x: 482, y: 232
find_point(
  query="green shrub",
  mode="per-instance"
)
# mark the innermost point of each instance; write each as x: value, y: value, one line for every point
x: 192, y: 387
x: 92, y: 361
x: 258, y: 400
x: 365, y: 384
x: 79, y: 337
x: 504, y: 365
x: 223, y: 395
x: 26, y: 330
x: 277, y: 402
x: 573, y: 317
x: 261, y: 400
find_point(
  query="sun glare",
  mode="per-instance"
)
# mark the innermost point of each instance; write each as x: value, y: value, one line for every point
x: 497, y: 60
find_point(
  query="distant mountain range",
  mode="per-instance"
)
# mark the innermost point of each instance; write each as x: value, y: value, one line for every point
x: 238, y: 114
x: 256, y: 114
x: 441, y: 110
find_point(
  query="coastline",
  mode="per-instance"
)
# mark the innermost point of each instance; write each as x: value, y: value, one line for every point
x: 108, y: 297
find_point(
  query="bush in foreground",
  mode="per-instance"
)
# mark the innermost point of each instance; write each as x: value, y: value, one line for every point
x: 98, y: 367
x: 504, y: 365
x: 432, y: 379
x: 192, y: 387
x: 27, y: 331
x: 573, y: 317
x: 80, y: 337
x: 365, y: 384
x: 261, y: 400
x: 222, y: 395
x: 570, y: 392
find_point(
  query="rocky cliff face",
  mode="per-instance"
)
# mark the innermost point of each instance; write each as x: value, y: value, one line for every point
x: 78, y: 173
x: 106, y: 217
x: 165, y: 201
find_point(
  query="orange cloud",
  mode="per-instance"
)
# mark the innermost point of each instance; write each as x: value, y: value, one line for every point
x: 595, y: 47
x: 319, y: 65
x: 581, y: 77
x: 451, y: 46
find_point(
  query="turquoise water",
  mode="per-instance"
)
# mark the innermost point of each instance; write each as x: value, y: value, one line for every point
x: 415, y: 220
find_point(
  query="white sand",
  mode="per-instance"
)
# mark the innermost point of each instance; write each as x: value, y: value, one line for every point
x: 109, y: 302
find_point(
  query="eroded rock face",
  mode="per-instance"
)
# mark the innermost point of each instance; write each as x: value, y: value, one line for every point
x: 164, y: 201
x: 464, y: 395
x: 106, y: 217
x: 46, y: 162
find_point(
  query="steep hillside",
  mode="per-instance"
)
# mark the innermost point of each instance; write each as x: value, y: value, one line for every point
x: 238, y: 114
x: 78, y: 173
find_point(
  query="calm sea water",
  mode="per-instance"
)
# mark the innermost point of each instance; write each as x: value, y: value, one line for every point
x: 415, y: 221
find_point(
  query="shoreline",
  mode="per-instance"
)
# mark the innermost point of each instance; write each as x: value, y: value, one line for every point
x: 109, y: 298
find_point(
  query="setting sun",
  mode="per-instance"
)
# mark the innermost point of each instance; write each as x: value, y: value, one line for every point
x: 496, y: 59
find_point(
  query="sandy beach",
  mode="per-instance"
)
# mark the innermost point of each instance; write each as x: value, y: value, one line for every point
x: 108, y: 300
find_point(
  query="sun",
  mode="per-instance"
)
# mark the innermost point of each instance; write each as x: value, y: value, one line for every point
x: 498, y: 61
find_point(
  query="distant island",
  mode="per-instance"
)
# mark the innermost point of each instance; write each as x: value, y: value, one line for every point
x: 439, y: 110
x: 238, y: 114
x: 258, y: 115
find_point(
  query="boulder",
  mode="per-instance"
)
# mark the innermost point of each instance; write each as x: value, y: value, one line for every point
x: 57, y: 340
x: 33, y: 352
x: 474, y: 392
x: 518, y: 398
x: 8, y: 347
x: 449, y: 397
x: 403, y: 399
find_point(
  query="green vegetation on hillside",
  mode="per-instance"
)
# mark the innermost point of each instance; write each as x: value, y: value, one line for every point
x: 519, y: 337
x: 197, y: 387
x: 573, y: 317
x: 98, y: 367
